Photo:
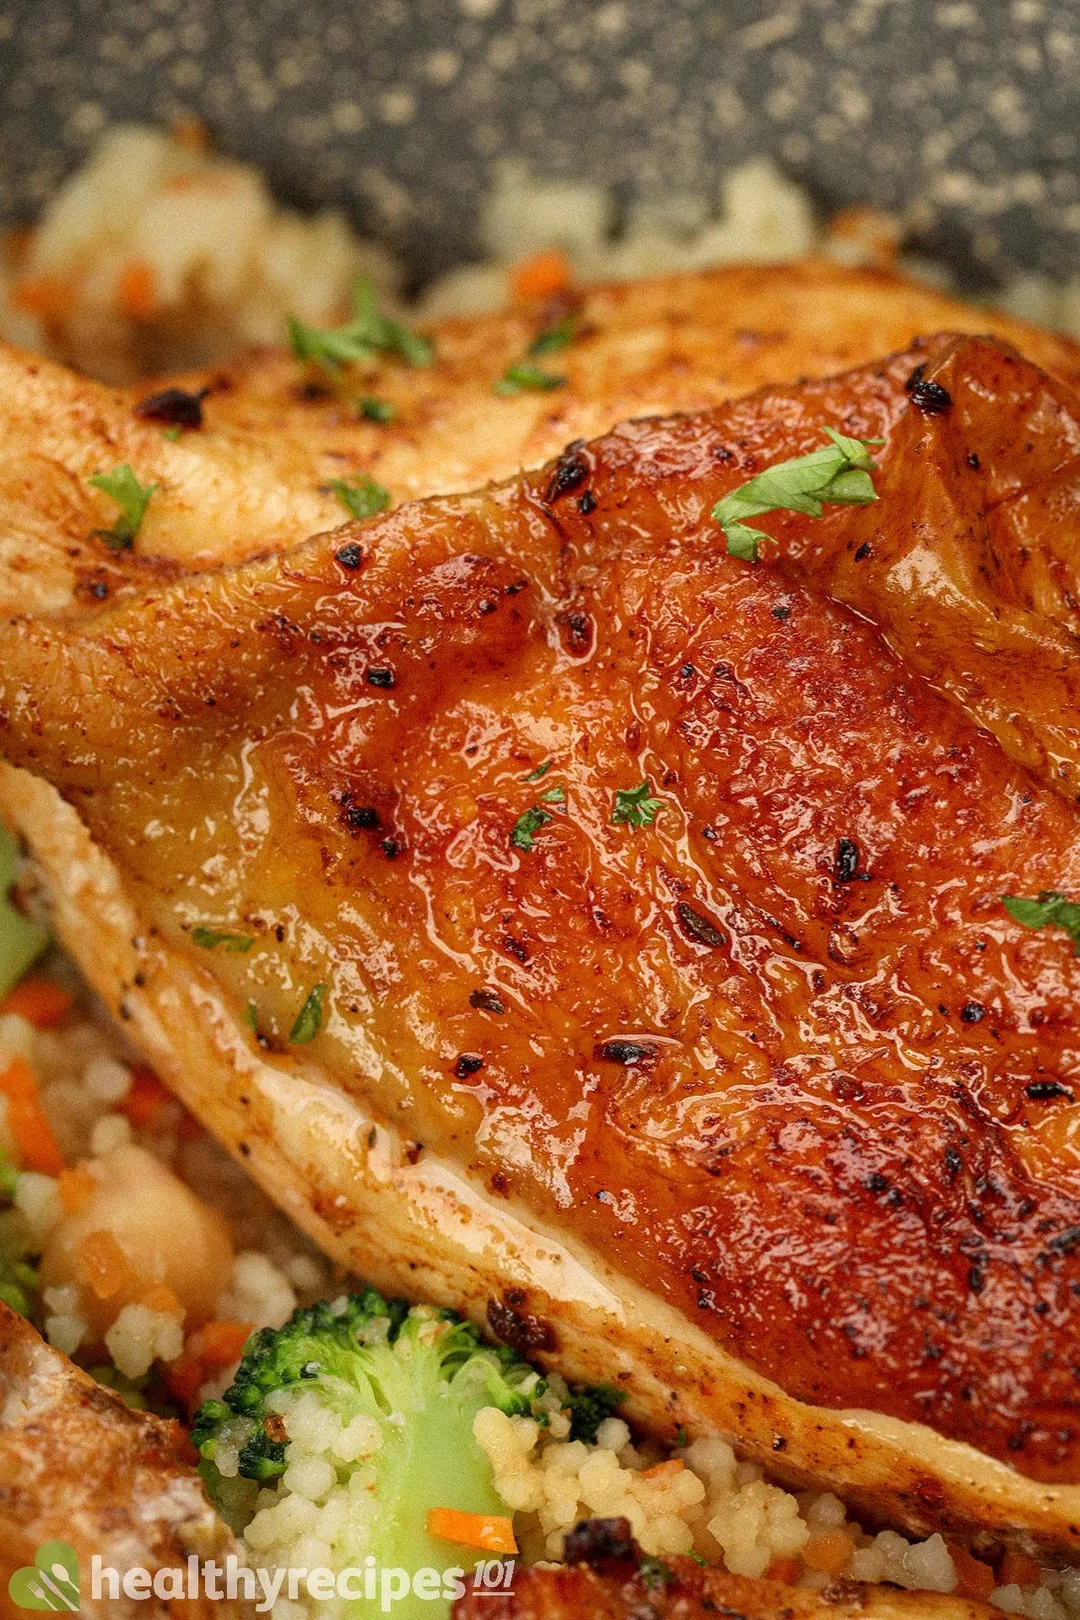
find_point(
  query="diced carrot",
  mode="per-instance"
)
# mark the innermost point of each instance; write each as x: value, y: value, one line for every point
x: 663, y: 1470
x: 184, y: 1378
x: 222, y: 1343
x: 145, y: 1099
x: 787, y: 1570
x: 103, y: 1265
x: 974, y: 1578
x: 35, y: 1145
x: 76, y: 1187
x: 1017, y: 1569
x: 161, y: 1298
x: 829, y: 1551
x: 49, y: 297
x: 136, y: 290
x: 542, y: 276
x: 42, y: 1002
x: 488, y: 1531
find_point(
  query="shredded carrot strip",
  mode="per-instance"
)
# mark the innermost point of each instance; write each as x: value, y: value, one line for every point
x: 787, y: 1570
x: 1017, y: 1569
x: 103, y: 1265
x: 488, y: 1531
x: 829, y: 1551
x: 664, y: 1470
x: 76, y: 1188
x: 136, y: 290
x: 35, y: 1145
x: 222, y: 1343
x: 49, y: 297
x: 42, y: 1002
x: 146, y: 1098
x: 975, y: 1579
x: 542, y: 276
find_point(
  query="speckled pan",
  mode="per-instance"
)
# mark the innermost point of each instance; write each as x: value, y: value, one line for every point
x: 965, y: 111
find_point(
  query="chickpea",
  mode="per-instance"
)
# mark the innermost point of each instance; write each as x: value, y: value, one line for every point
x: 163, y: 1234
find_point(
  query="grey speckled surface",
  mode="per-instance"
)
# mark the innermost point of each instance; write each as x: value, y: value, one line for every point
x: 970, y: 108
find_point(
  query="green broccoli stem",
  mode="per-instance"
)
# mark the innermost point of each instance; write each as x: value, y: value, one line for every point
x: 21, y: 941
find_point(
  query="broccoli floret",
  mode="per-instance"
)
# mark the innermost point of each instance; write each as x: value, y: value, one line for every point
x: 21, y: 941
x: 590, y: 1406
x: 18, y: 1278
x: 421, y: 1374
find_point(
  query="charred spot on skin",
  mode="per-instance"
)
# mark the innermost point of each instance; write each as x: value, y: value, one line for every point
x: 1047, y: 1090
x: 577, y: 632
x: 928, y: 397
x: 390, y: 848
x: 846, y: 862
x: 381, y: 677
x: 358, y: 817
x: 469, y: 1063
x: 586, y: 503
x: 862, y: 552
x: 349, y: 556
x: 953, y: 1162
x: 781, y: 611
x: 487, y: 1001
x: 973, y: 461
x: 174, y: 406
x: 629, y: 1054
x: 516, y: 948
x: 972, y: 1012
x: 515, y: 1326
x: 696, y: 926
x: 600, y: 1541
x: 311, y: 392
x: 571, y: 471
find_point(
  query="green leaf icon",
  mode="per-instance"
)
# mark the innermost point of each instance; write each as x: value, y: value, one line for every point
x: 50, y: 1583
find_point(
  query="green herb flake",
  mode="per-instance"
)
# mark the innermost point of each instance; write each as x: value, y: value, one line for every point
x: 370, y: 409
x: 837, y: 475
x: 527, y: 825
x: 635, y: 807
x: 654, y: 1573
x: 173, y: 433
x: 555, y: 795
x: 363, y: 497
x: 211, y: 938
x: 524, y: 378
x: 309, y: 1018
x: 131, y: 497
x: 541, y: 770
x: 251, y: 1017
x: 1050, y: 910
x: 369, y: 334
x: 554, y: 339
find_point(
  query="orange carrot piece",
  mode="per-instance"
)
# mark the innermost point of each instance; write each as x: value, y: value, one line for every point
x: 136, y: 290
x: 42, y: 1002
x: 975, y: 1579
x: 35, y: 1145
x: 787, y: 1570
x: 1017, y: 1569
x: 829, y: 1551
x: 542, y: 276
x: 161, y: 1298
x: 49, y: 297
x: 76, y: 1188
x: 146, y: 1098
x: 103, y: 1265
x: 491, y: 1532
x: 184, y: 1378
x: 663, y: 1470
x: 222, y: 1343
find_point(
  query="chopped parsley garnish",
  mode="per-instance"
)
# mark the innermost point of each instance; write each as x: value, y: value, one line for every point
x: 527, y: 825
x: 524, y: 378
x: 541, y: 770
x: 173, y: 433
x: 211, y: 938
x: 635, y: 807
x: 555, y: 795
x: 376, y: 410
x: 368, y: 334
x: 838, y: 474
x: 554, y: 339
x: 309, y: 1018
x: 590, y: 1406
x: 363, y: 497
x: 655, y: 1574
x: 131, y: 497
x: 1051, y: 909
x: 251, y: 1016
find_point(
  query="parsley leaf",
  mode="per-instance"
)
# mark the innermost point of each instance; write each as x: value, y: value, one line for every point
x: 309, y: 1018
x: 211, y: 938
x: 1051, y: 909
x: 635, y: 807
x: 655, y: 1574
x: 589, y: 1406
x: 837, y: 474
x: 376, y: 410
x: 251, y: 1016
x: 554, y: 339
x: 368, y: 334
x: 527, y: 825
x: 541, y: 770
x: 526, y: 378
x: 131, y: 497
x: 362, y: 498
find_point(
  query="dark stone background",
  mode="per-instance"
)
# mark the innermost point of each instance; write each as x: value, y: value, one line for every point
x: 969, y: 109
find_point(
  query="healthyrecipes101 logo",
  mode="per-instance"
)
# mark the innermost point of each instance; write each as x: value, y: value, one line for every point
x: 51, y: 1582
